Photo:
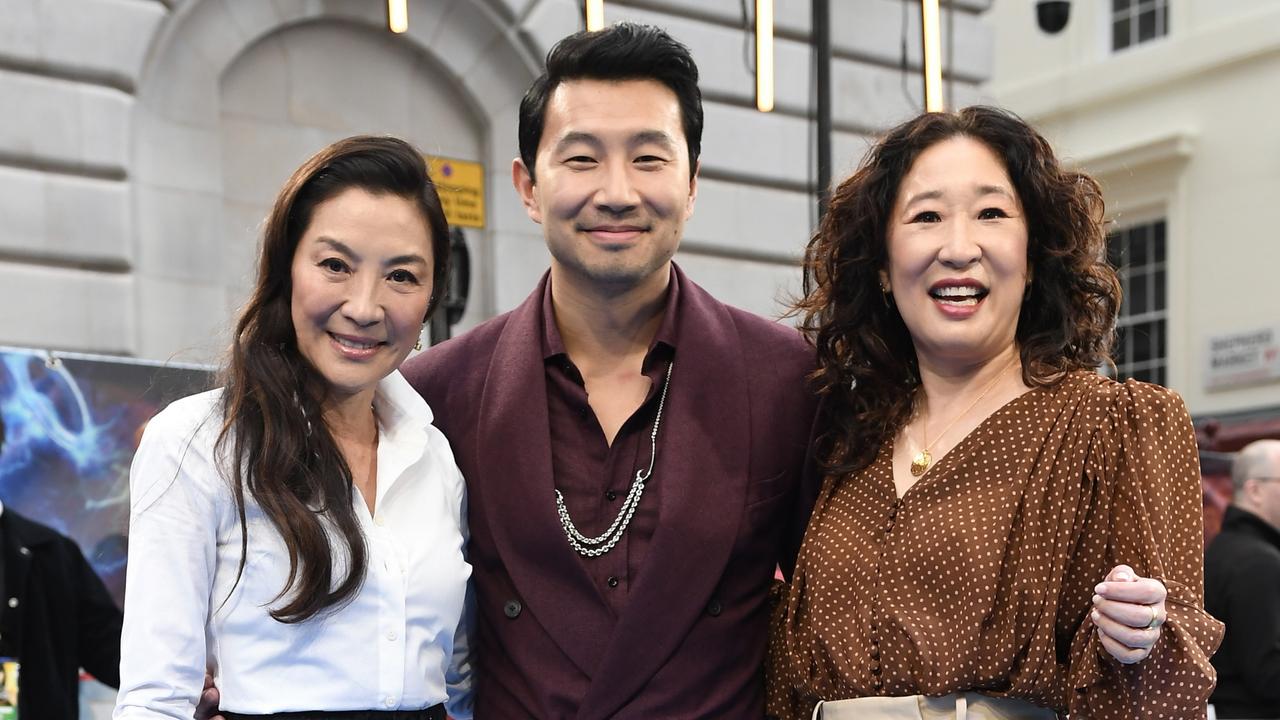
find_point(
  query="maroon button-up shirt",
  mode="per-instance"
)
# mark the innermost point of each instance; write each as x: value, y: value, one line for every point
x: 685, y: 637
x: 593, y: 475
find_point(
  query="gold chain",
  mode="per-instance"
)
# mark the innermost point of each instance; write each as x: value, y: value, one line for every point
x: 921, y: 462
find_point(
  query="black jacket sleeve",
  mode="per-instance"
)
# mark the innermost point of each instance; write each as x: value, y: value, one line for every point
x: 99, y: 621
x: 1253, y: 608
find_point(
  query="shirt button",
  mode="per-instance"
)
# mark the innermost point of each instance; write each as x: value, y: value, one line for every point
x: 512, y: 609
x: 875, y: 653
x: 24, y: 551
x: 391, y: 635
x: 13, y: 602
x: 389, y: 701
x: 378, y: 521
x: 714, y: 608
x: 877, y: 684
x: 613, y: 581
x: 611, y: 496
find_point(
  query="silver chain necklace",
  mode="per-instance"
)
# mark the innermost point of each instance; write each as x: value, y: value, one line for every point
x: 601, y: 544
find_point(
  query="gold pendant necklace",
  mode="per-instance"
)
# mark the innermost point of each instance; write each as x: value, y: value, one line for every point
x: 920, y: 463
x: 923, y: 459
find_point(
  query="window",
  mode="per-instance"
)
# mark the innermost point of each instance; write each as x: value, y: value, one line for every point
x: 1137, y: 21
x: 1138, y: 253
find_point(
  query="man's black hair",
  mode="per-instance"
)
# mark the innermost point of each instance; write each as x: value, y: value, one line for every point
x: 625, y: 51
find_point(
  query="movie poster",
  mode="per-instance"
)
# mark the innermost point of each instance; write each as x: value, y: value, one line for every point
x: 72, y: 424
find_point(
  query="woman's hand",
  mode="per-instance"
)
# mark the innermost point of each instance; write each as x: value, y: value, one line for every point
x: 1128, y: 611
x: 208, y: 707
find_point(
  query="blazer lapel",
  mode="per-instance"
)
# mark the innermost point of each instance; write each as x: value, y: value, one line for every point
x: 518, y: 494
x: 702, y: 467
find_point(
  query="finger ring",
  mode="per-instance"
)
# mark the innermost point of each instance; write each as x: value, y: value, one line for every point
x: 1155, y: 617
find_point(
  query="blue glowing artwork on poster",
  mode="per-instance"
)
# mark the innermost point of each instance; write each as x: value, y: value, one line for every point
x: 72, y: 423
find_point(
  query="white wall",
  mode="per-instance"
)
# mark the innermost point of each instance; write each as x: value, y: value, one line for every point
x: 1185, y: 127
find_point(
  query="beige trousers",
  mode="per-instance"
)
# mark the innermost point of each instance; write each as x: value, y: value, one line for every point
x: 958, y: 706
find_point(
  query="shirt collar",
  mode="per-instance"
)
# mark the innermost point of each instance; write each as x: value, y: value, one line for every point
x: 553, y: 343
x: 400, y: 408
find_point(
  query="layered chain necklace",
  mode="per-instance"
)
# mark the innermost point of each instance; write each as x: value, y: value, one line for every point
x: 921, y: 462
x: 601, y: 544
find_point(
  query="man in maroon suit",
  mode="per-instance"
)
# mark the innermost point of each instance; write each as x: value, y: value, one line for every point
x: 633, y: 448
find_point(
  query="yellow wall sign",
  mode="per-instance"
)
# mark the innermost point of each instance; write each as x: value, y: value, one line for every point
x: 461, y: 187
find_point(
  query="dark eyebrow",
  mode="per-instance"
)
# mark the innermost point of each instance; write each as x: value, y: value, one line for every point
x: 644, y: 137
x: 339, y: 246
x: 927, y: 195
x: 656, y: 137
x: 573, y: 137
x: 980, y: 191
x: 413, y: 259
x: 993, y: 190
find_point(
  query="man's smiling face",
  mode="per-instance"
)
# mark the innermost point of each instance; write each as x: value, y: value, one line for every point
x: 613, y: 187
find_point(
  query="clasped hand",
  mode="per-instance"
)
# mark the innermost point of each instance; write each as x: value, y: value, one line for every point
x: 1128, y: 611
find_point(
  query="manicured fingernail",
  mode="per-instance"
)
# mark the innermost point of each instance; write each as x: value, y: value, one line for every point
x: 1097, y: 599
x: 1123, y: 576
x: 1100, y: 588
x: 1095, y: 615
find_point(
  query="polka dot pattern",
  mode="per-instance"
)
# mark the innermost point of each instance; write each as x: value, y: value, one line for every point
x: 980, y: 577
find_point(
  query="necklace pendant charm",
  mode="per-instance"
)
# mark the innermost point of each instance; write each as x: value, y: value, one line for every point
x: 920, y: 463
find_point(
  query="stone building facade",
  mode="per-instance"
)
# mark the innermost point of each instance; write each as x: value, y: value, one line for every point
x: 143, y: 141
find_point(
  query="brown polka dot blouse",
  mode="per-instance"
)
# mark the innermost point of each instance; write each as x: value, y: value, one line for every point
x: 980, y: 577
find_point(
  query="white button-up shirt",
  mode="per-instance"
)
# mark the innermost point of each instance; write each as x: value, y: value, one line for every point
x: 401, y: 644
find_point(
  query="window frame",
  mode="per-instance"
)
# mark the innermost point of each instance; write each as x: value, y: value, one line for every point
x: 1156, y: 367
x: 1134, y: 11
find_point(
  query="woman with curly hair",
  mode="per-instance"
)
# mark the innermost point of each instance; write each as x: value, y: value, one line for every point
x: 982, y: 478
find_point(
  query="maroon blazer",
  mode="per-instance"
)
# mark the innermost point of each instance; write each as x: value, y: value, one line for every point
x: 691, y: 640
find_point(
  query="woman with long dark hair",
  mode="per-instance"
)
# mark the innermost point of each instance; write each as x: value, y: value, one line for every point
x: 982, y: 477
x: 299, y: 532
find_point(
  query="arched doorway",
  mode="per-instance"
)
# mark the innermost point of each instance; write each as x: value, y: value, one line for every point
x: 289, y: 94
x: 235, y: 94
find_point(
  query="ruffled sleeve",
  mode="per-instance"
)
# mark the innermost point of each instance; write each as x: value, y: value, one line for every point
x: 1144, y: 474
